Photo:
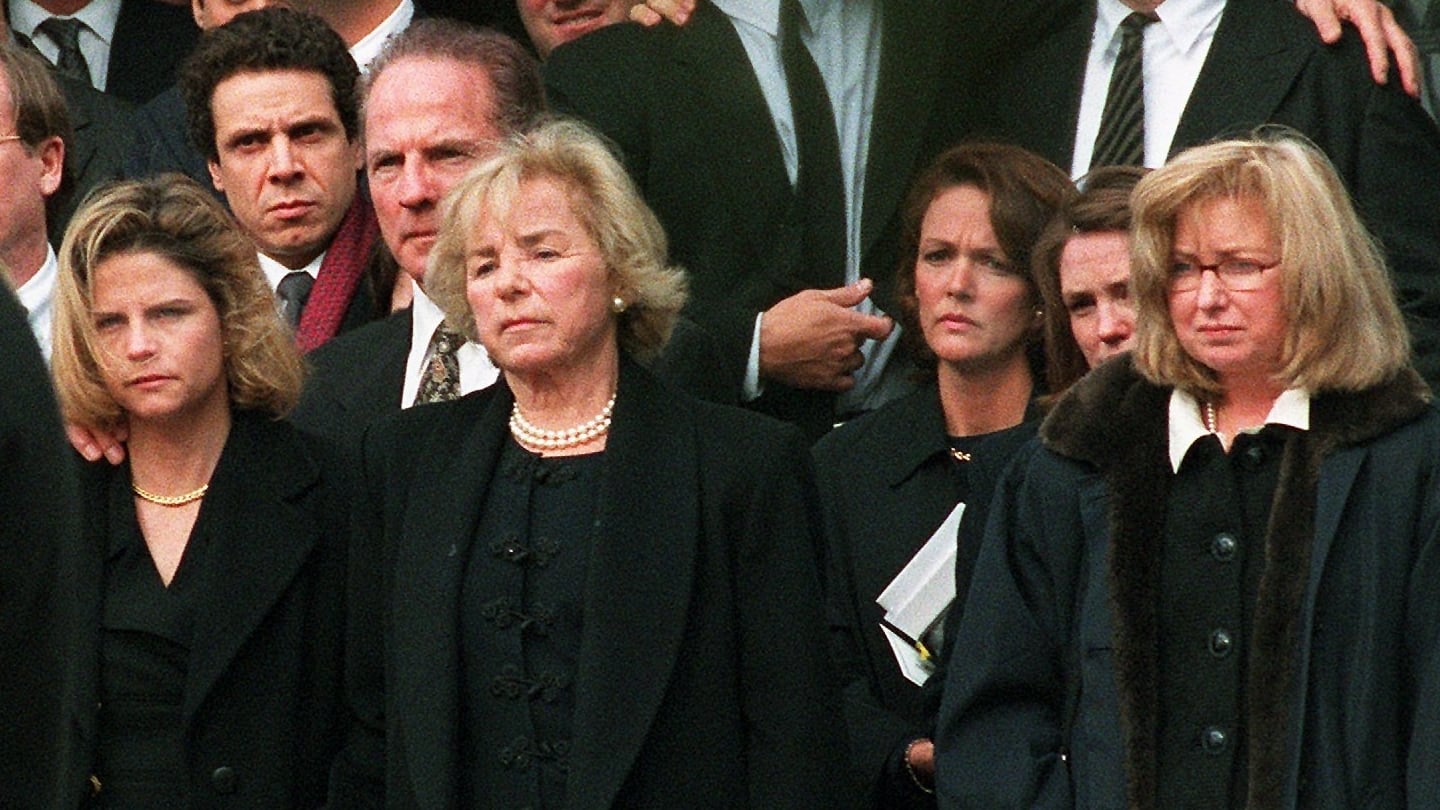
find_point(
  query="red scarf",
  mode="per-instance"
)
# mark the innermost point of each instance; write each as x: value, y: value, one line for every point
x: 340, y: 273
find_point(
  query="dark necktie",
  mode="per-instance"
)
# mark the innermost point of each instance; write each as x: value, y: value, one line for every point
x: 440, y: 381
x: 293, y: 290
x: 819, y: 184
x: 65, y: 33
x: 1121, y: 140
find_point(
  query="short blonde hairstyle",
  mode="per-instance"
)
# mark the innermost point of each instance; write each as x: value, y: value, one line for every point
x: 170, y: 216
x: 631, y: 241
x: 1345, y: 332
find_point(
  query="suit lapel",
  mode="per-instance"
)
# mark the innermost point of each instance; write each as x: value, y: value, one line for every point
x: 1250, y: 68
x: 266, y: 541
x: 739, y: 125
x: 638, y: 587
x: 381, y: 384
x: 911, y: 43
x: 442, y: 507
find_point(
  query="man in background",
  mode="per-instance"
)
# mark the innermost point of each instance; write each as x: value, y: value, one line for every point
x: 270, y: 100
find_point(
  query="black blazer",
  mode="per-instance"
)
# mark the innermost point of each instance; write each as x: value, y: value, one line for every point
x: 696, y: 686
x: 886, y: 483
x: 151, y: 40
x: 103, y: 126
x: 356, y: 378
x: 162, y: 142
x: 38, y: 506
x: 262, y: 696
x: 1266, y: 65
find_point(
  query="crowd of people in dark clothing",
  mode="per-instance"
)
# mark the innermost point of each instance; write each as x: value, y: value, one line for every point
x: 717, y: 403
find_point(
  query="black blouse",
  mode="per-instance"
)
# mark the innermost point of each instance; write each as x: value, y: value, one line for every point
x: 146, y: 632
x: 522, y: 606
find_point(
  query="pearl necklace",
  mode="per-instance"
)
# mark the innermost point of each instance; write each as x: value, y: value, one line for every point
x: 1212, y: 424
x: 170, y: 500
x: 529, y: 435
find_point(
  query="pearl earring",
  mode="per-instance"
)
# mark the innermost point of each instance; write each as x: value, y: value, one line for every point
x: 618, y: 304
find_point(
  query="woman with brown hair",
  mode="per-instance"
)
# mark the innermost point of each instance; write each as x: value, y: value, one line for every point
x: 889, y: 479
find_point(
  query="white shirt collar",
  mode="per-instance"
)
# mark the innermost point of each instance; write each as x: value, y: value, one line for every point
x: 370, y: 45
x: 762, y: 14
x: 476, y: 370
x: 1291, y: 408
x: 37, y: 295
x: 100, y: 16
x: 425, y: 315
x: 275, y: 271
x: 1184, y: 21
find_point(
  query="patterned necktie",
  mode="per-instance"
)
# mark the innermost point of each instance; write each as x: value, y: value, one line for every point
x: 819, y: 184
x: 65, y: 33
x: 1121, y: 140
x: 440, y: 381
x: 293, y: 290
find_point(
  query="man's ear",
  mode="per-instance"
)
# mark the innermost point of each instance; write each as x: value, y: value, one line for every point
x: 215, y: 179
x: 51, y: 152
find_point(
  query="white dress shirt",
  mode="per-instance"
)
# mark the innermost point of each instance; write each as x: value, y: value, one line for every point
x: 476, y: 370
x: 370, y: 45
x: 97, y: 35
x: 1175, y: 50
x: 37, y: 295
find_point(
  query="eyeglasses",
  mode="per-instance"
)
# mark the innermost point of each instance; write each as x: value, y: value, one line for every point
x: 1238, y: 275
x: 8, y: 138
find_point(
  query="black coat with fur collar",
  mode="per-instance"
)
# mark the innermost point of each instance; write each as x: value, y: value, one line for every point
x: 1054, y: 702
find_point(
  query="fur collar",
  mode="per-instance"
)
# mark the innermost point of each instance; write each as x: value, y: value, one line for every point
x: 1099, y: 416
x: 1116, y: 420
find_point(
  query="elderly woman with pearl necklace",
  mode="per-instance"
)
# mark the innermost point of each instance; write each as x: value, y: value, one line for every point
x: 584, y: 582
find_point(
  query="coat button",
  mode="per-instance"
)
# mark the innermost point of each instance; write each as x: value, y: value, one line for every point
x: 223, y: 779
x: 1223, y: 546
x: 1221, y: 643
x: 1213, y: 740
x: 1255, y: 456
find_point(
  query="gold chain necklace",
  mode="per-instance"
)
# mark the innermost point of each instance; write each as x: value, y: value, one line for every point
x: 170, y: 500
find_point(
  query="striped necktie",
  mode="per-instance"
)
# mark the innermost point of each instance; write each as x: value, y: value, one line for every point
x: 1121, y: 140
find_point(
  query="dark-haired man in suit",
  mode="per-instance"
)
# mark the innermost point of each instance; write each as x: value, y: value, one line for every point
x: 161, y: 142
x: 270, y: 99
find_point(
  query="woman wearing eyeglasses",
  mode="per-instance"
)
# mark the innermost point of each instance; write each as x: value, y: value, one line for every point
x: 1217, y: 582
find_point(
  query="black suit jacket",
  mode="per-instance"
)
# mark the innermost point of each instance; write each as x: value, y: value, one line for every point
x: 1266, y: 65
x: 696, y: 685
x: 103, y: 126
x: 38, y: 517
x: 151, y: 40
x: 687, y: 112
x: 355, y: 379
x: 162, y: 142
x: 263, y: 693
x: 886, y: 483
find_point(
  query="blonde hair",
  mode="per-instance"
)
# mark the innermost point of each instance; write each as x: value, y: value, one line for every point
x: 630, y: 239
x: 1345, y: 331
x: 170, y: 216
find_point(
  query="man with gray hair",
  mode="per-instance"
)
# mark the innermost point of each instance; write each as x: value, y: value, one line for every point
x: 479, y: 86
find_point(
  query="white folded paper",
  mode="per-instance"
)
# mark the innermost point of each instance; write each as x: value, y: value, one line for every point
x: 917, y: 599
